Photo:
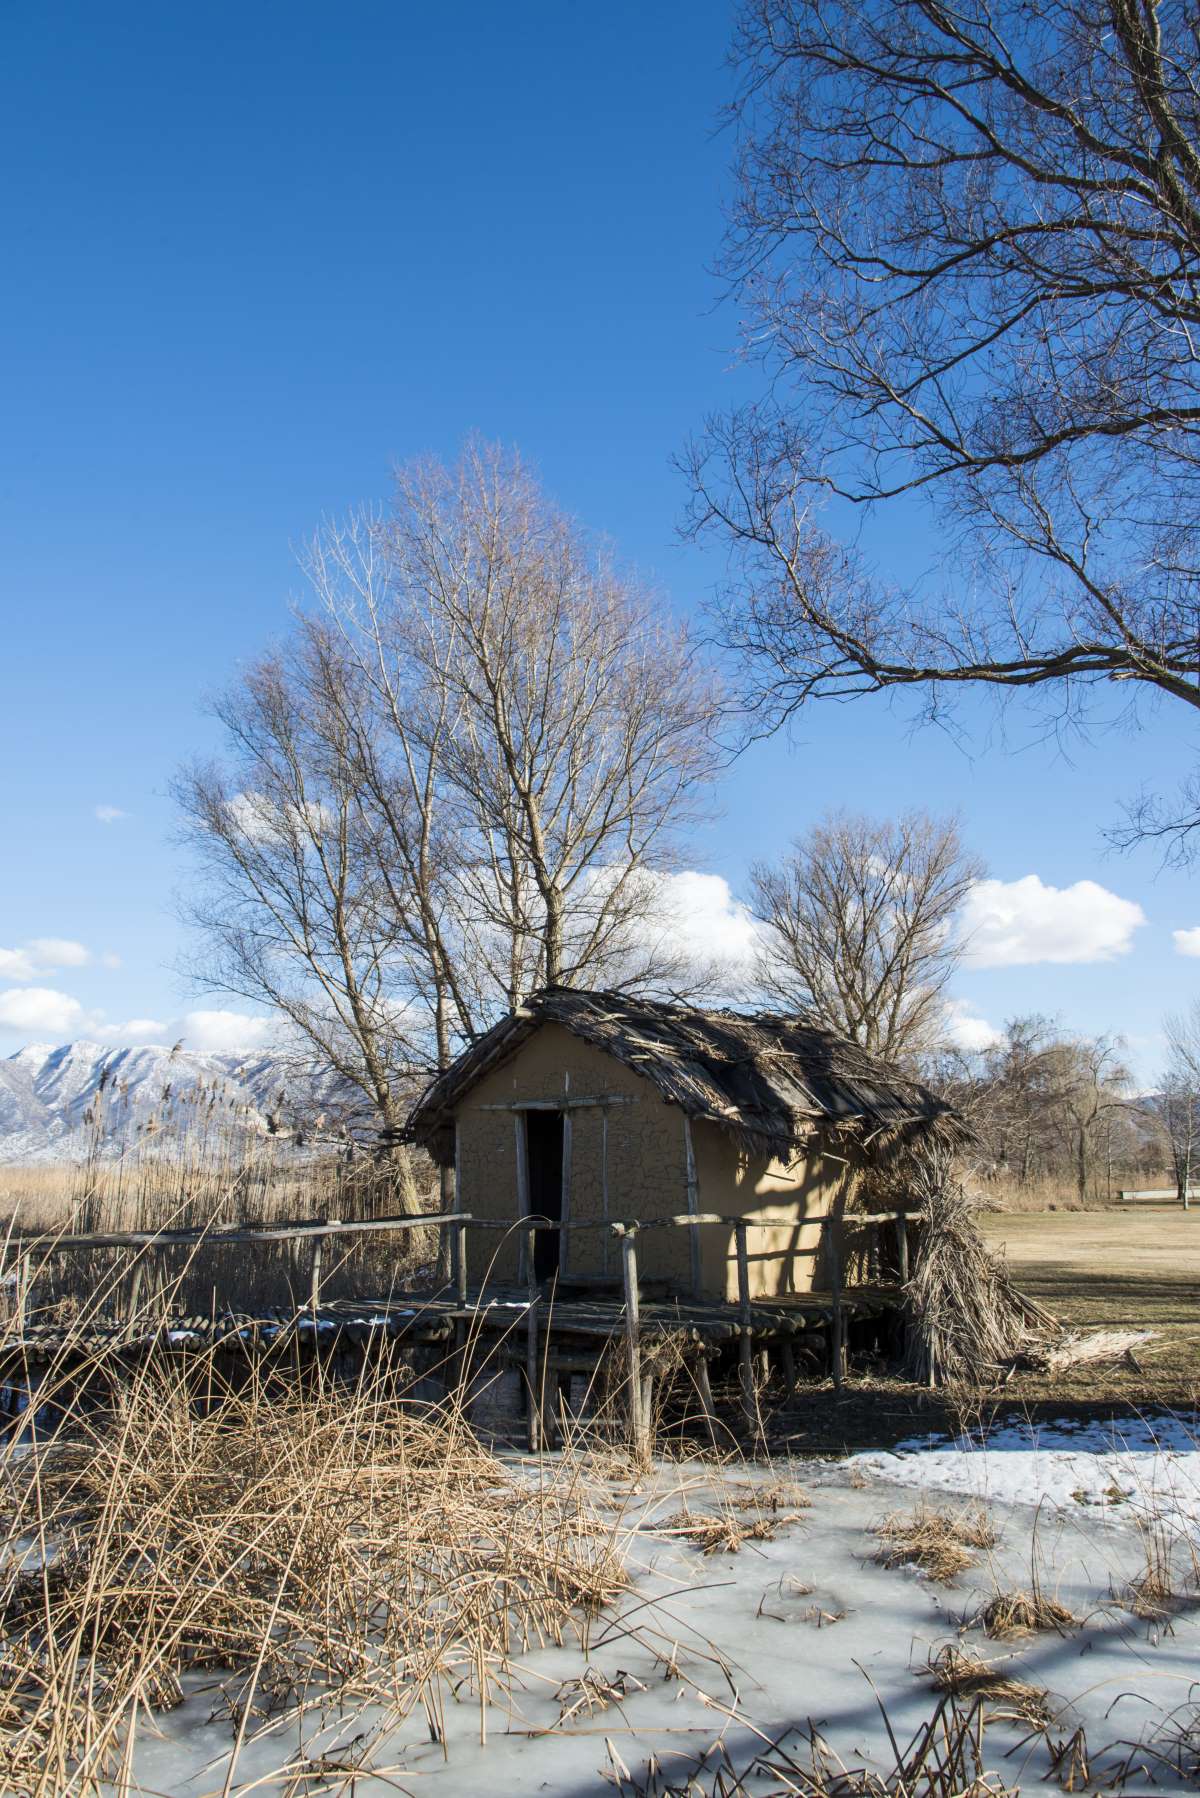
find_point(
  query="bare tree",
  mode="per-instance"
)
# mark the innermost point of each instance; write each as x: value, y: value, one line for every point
x: 463, y: 777
x: 285, y: 897
x: 573, y: 723
x: 1043, y: 1104
x: 859, y: 926
x: 967, y: 241
x: 1178, y: 1104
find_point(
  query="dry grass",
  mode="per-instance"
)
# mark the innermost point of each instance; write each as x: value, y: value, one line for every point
x: 214, y: 1179
x: 1169, y: 1578
x: 939, y: 1543
x: 943, y: 1759
x: 327, y: 1552
x: 722, y: 1532
x: 1020, y: 1613
x: 964, y: 1675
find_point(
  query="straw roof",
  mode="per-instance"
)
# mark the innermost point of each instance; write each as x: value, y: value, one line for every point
x: 769, y: 1080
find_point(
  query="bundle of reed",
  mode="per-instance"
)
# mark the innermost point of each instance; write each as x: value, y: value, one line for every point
x: 966, y: 1320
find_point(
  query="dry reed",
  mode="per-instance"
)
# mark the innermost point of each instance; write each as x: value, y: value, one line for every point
x: 939, y: 1543
x: 1022, y: 1613
x: 967, y: 1321
x: 326, y: 1551
x: 964, y: 1675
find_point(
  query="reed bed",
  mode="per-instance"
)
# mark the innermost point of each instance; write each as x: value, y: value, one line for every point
x: 334, y: 1552
x: 209, y: 1178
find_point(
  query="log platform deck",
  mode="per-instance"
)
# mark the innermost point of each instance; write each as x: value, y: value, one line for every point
x: 428, y: 1319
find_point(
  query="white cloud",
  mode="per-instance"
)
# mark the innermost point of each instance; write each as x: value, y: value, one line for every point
x: 40, y: 1010
x: 137, y: 1030
x: 52, y: 952
x: 1187, y: 942
x: 967, y: 1030
x: 1008, y: 923
x: 16, y: 964
x: 42, y: 955
x: 109, y: 960
x: 261, y: 821
x: 108, y: 814
x: 711, y: 925
x: 226, y: 1032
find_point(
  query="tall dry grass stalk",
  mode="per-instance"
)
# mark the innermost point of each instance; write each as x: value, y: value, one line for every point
x: 325, y: 1550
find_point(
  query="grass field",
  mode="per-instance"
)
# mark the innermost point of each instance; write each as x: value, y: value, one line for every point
x: 1137, y: 1264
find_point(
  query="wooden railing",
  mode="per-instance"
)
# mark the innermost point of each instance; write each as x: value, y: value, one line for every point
x: 625, y: 1231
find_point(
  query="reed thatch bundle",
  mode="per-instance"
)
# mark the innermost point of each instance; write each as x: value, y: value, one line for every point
x: 967, y: 1321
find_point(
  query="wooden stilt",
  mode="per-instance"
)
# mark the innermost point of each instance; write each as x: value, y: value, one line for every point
x: 638, y: 1422
x: 902, y: 1248
x: 699, y: 1369
x: 532, y: 1380
x: 745, y: 1329
x: 787, y: 1361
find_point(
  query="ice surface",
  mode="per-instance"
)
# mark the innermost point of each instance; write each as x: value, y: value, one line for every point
x: 724, y: 1646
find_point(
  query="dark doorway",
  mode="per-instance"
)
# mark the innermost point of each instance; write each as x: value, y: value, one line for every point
x: 544, y: 1137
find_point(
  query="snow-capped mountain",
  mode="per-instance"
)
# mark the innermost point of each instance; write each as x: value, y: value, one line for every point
x: 60, y: 1104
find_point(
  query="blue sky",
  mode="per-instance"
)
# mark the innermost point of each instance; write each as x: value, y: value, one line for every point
x: 255, y: 255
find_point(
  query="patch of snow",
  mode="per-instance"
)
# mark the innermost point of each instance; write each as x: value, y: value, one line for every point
x: 1145, y: 1468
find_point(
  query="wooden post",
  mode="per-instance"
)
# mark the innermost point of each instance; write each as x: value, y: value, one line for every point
x: 461, y: 1355
x: 604, y: 1182
x: 693, y: 1202
x: 704, y: 1388
x: 135, y: 1290
x: 902, y: 1248
x: 838, y: 1342
x: 564, y: 1212
x: 460, y: 1261
x: 638, y: 1422
x: 318, y: 1257
x: 522, y: 1150
x: 532, y: 1380
x: 787, y: 1358
x: 745, y: 1327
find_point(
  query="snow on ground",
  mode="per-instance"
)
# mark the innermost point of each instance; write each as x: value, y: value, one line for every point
x: 1149, y: 1466
x: 804, y: 1627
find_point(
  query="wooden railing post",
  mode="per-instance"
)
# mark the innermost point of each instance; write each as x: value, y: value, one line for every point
x: 135, y: 1290
x: 902, y: 1247
x: 745, y: 1327
x: 639, y: 1423
x: 532, y: 1376
x: 838, y: 1341
x: 460, y: 1261
x: 318, y: 1257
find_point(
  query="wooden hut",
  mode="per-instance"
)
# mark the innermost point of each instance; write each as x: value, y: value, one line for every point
x: 589, y: 1106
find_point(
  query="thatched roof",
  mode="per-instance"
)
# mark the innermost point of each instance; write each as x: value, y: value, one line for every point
x: 769, y: 1080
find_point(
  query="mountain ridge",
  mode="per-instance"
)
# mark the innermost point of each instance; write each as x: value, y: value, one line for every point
x: 62, y: 1102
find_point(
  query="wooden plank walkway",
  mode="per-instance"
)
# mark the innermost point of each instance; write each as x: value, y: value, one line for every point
x: 430, y: 1318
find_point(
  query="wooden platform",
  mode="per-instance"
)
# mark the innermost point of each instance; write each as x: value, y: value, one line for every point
x: 431, y: 1318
